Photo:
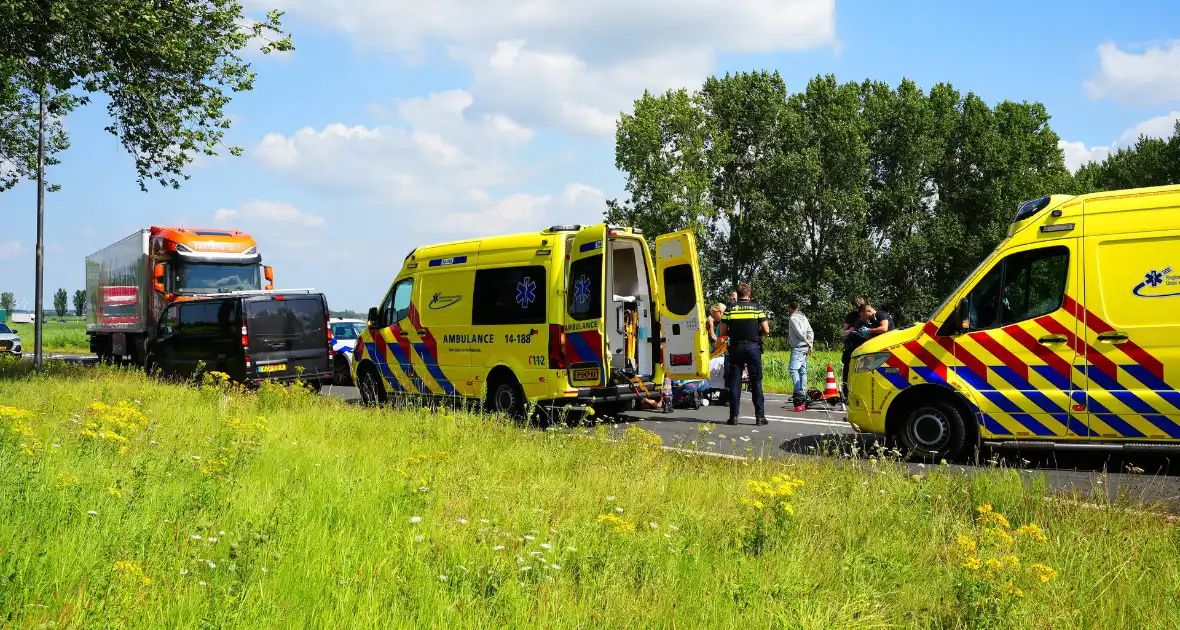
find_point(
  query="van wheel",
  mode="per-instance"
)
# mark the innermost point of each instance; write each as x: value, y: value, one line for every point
x: 340, y: 373
x: 505, y: 396
x: 371, y: 390
x: 932, y: 431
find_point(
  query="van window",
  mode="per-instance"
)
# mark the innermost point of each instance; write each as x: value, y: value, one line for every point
x: 584, y: 288
x: 294, y: 323
x: 1023, y: 286
x: 509, y: 295
x: 678, y: 290
x: 206, y: 318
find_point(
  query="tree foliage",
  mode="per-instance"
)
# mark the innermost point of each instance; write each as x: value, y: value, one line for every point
x: 836, y: 191
x: 167, y: 70
x: 7, y: 301
x: 79, y: 302
x: 1151, y: 162
x: 61, y: 302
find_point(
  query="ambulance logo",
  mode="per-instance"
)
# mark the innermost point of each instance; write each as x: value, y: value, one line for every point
x: 1158, y: 283
x: 440, y: 301
x: 526, y: 292
x: 582, y: 290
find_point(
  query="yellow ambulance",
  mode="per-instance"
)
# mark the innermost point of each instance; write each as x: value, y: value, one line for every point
x: 566, y: 317
x: 1066, y: 336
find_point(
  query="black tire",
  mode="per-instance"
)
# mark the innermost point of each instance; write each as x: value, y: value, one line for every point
x: 340, y: 372
x: 932, y: 431
x: 316, y: 386
x: 151, y: 367
x: 696, y: 400
x: 505, y: 396
x: 371, y: 390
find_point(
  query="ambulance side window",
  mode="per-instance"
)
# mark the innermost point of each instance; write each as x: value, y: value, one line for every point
x: 509, y: 295
x: 1034, y: 284
x: 1023, y: 286
x: 402, y: 294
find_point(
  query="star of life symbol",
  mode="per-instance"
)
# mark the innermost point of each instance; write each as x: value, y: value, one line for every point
x: 582, y: 290
x: 1153, y: 278
x: 526, y: 292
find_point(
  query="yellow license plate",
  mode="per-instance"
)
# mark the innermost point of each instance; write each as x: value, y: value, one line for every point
x: 274, y: 367
x: 586, y: 374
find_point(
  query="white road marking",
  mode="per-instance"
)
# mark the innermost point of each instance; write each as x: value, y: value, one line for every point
x: 811, y: 421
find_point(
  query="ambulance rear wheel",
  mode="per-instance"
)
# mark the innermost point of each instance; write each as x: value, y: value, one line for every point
x: 932, y: 431
x: 505, y: 396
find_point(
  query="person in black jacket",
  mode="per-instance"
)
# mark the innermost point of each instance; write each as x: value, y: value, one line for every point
x: 852, y: 338
x: 745, y: 324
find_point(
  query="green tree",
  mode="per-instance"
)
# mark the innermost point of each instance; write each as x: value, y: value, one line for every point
x: 79, y: 302
x: 8, y: 302
x: 1151, y: 162
x: 167, y: 70
x: 837, y: 191
x: 61, y: 302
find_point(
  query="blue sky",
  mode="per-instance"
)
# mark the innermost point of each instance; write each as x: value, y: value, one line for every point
x: 396, y: 124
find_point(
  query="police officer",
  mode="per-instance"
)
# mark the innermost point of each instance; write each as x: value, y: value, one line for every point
x: 744, y: 322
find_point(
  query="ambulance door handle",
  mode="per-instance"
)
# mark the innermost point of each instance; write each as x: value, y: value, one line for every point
x: 421, y: 333
x: 1052, y: 339
x: 1114, y: 336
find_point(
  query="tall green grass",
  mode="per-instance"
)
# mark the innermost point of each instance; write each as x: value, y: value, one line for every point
x: 169, y: 506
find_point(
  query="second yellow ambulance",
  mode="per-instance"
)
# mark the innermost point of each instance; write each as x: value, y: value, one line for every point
x: 1067, y: 336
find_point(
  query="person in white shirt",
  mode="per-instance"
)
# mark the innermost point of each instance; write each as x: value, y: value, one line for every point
x: 801, y: 338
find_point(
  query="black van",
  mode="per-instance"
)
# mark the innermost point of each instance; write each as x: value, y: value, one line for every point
x: 252, y: 336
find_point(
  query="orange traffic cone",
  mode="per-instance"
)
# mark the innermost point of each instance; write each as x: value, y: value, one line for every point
x: 830, y: 389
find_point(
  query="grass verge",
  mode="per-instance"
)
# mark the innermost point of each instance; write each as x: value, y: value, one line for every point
x: 128, y: 503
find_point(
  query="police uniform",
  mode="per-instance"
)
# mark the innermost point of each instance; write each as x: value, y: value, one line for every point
x: 743, y: 325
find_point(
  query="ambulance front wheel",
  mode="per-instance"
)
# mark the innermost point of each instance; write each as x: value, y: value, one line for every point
x: 371, y: 390
x: 932, y: 431
x: 505, y: 395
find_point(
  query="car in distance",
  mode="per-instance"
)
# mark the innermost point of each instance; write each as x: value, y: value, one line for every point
x: 345, y: 333
x: 10, y: 341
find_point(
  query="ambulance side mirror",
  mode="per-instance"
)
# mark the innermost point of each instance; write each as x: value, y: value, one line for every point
x: 372, y: 316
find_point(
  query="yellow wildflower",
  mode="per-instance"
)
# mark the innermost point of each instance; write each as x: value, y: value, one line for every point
x: 1033, y: 531
x: 131, y: 571
x: 619, y: 525
x: 988, y: 516
x: 965, y: 543
x: 972, y: 562
x: 1042, y: 572
x: 115, y: 492
x: 1010, y: 563
x: 996, y: 537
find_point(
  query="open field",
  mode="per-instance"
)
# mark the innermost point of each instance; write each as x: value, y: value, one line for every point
x: 64, y: 338
x: 129, y: 503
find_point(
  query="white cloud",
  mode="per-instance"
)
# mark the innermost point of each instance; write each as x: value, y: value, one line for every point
x: 11, y: 249
x: 1158, y: 127
x: 574, y: 64
x: 1077, y: 153
x: 267, y: 211
x: 1149, y: 78
x: 439, y: 170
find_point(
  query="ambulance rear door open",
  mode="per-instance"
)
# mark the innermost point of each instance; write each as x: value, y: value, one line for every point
x: 681, y: 304
x: 585, y: 331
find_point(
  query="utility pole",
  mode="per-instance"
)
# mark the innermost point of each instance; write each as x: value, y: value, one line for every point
x: 39, y: 298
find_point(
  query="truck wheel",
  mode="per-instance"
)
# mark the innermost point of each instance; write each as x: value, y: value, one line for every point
x: 505, y: 396
x: 371, y: 390
x: 150, y: 366
x: 933, y: 431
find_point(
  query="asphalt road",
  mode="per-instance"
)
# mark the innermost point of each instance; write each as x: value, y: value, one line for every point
x: 1152, y: 478
x: 1098, y: 477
